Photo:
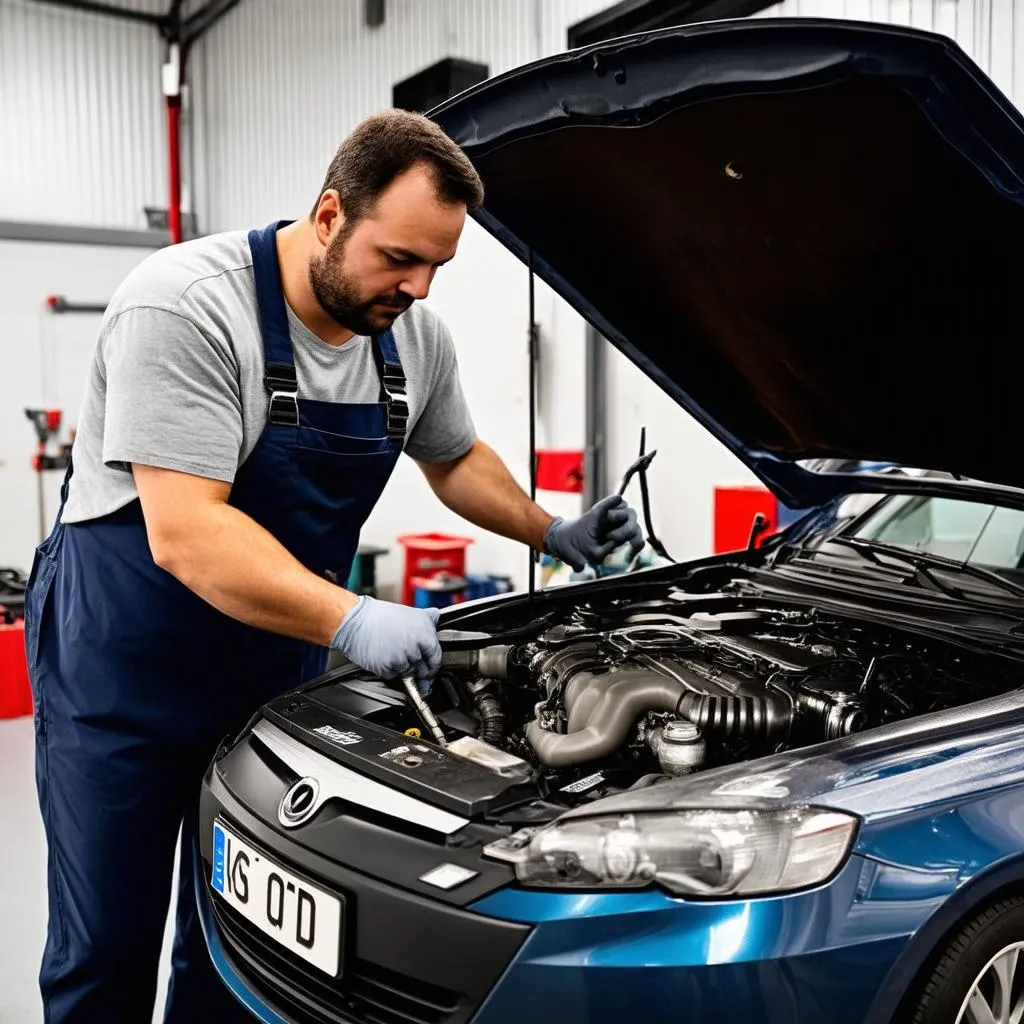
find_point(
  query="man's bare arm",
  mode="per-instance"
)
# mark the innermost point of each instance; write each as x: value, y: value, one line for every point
x: 230, y: 561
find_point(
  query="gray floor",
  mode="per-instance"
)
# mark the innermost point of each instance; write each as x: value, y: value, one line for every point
x: 23, y: 881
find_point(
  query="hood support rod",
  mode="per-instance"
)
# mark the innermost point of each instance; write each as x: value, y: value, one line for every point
x: 533, y: 352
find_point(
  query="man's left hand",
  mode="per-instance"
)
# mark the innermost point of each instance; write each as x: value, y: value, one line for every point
x: 596, y: 534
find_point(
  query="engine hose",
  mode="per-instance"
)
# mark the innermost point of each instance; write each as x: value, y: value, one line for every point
x: 492, y: 719
x: 602, y: 708
x: 729, y: 716
x: 491, y: 662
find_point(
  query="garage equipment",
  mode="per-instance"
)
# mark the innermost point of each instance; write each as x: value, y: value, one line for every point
x: 560, y: 471
x: 478, y: 586
x: 13, y: 584
x: 438, y: 591
x: 363, y: 577
x: 48, y: 456
x: 743, y: 516
x: 61, y: 304
x: 15, y: 691
x: 430, y: 554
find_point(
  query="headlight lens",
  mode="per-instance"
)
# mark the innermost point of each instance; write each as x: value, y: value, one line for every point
x: 691, y: 852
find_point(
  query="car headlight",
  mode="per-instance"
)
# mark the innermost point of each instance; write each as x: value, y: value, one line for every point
x: 691, y: 852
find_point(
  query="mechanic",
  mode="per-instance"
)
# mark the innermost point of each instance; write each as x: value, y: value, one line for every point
x: 248, y: 399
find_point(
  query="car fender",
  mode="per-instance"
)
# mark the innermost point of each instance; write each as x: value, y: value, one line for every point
x: 977, y: 891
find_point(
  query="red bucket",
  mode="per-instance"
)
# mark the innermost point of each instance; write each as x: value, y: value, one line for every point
x: 430, y: 554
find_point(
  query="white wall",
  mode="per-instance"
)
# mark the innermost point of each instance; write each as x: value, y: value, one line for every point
x: 81, y: 116
x: 44, y: 358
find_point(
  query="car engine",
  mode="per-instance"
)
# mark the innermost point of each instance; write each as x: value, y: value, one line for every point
x: 627, y: 693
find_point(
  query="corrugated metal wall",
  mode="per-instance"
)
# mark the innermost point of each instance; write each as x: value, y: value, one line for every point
x: 81, y: 116
x: 279, y: 83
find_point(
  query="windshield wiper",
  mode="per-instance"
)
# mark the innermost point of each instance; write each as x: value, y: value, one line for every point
x: 925, y: 564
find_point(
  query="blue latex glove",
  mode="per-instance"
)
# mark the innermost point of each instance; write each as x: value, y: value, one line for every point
x: 391, y: 640
x: 596, y: 534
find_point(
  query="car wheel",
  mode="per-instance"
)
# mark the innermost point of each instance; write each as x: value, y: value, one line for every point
x: 979, y: 978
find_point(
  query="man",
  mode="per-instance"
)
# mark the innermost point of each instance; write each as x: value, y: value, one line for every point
x: 249, y: 397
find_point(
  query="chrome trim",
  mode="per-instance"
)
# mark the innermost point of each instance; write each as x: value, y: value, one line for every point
x: 338, y: 782
x: 286, y: 812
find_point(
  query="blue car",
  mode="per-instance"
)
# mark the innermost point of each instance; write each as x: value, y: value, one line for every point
x: 783, y: 785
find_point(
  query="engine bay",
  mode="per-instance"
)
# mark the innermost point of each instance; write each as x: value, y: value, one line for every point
x: 600, y: 697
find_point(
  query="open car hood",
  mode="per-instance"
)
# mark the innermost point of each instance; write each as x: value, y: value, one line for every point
x: 808, y: 233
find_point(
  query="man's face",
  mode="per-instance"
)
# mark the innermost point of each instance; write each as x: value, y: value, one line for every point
x: 374, y: 270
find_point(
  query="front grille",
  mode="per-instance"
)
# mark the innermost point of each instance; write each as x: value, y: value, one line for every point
x: 366, y: 994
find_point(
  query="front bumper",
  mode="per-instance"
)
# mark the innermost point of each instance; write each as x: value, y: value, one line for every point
x: 817, y: 957
x: 411, y: 960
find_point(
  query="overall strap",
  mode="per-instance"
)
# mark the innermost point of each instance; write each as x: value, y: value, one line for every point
x: 279, y: 359
x: 66, y: 483
x: 392, y: 385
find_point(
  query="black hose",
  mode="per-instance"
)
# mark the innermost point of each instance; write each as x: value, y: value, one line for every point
x: 732, y: 716
x: 492, y: 719
x: 645, y: 499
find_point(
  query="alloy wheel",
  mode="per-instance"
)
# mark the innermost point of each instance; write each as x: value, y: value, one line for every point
x: 997, y: 995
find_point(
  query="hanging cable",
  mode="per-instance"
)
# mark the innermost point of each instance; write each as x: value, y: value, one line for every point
x: 645, y: 498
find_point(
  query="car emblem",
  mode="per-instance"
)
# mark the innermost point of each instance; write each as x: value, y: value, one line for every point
x: 300, y: 803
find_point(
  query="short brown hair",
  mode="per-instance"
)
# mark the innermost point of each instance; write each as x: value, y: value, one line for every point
x: 388, y: 144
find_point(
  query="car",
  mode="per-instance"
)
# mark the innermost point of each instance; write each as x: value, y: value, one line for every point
x: 781, y: 784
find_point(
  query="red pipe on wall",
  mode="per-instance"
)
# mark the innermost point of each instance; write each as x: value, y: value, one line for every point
x: 174, y: 170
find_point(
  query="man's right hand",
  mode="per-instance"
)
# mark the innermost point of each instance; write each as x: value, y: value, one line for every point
x: 390, y: 640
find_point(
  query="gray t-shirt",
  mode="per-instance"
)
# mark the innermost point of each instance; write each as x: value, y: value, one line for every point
x: 176, y: 380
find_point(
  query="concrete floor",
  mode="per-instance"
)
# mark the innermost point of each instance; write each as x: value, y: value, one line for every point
x: 23, y: 882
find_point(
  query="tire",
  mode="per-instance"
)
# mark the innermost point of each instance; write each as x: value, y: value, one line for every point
x: 988, y: 938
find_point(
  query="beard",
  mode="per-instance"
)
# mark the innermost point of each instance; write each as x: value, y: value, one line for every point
x: 339, y: 296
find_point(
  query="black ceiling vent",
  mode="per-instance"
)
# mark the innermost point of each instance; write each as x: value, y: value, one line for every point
x: 631, y: 16
x: 433, y: 85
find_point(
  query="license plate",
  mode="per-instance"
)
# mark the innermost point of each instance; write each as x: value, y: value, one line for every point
x: 299, y: 916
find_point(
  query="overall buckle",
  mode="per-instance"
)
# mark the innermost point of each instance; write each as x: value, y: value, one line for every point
x: 280, y: 380
x: 392, y: 379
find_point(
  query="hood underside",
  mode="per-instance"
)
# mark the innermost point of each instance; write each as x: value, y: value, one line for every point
x: 808, y: 233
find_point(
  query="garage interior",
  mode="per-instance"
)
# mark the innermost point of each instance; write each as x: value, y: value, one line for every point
x: 129, y: 125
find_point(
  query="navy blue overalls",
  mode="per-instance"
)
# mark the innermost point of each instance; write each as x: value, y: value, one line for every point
x: 136, y: 679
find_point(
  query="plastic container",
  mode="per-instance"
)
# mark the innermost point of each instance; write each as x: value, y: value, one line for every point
x: 431, y: 554
x: 15, y: 692
x: 560, y: 471
x: 734, y: 512
x: 480, y: 586
x: 437, y: 591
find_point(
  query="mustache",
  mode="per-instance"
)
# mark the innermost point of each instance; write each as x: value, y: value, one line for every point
x: 398, y: 301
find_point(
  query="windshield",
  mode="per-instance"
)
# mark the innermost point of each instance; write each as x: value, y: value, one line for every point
x: 965, y: 531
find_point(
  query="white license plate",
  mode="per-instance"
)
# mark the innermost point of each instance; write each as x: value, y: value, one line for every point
x: 299, y: 916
